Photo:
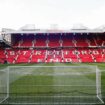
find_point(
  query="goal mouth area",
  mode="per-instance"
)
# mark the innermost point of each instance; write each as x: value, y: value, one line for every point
x: 51, y: 85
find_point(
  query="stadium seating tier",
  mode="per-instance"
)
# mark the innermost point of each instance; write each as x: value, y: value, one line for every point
x: 55, y: 48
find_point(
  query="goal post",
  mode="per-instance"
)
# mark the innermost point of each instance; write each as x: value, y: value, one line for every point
x: 51, y: 85
x: 4, y: 85
x: 98, y: 84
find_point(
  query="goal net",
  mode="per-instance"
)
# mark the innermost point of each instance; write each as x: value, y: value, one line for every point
x: 51, y: 85
x: 4, y: 84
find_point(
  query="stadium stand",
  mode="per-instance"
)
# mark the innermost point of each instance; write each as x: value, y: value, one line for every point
x: 33, y: 47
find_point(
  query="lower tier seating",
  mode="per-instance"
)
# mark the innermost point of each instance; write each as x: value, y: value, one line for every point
x: 53, y: 55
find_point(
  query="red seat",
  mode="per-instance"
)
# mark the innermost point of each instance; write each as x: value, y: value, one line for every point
x: 23, y: 56
x: 40, y: 40
x: 38, y: 56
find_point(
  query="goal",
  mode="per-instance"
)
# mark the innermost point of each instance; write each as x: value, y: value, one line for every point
x: 50, y: 85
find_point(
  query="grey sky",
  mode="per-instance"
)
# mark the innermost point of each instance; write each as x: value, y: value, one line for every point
x: 42, y: 13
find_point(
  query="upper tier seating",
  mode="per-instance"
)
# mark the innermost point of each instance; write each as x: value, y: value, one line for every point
x: 17, y: 39
x: 67, y: 41
x: 53, y: 41
x: 27, y: 40
x: 100, y: 39
x: 40, y: 40
x: 91, y: 40
x: 81, y: 41
x: 64, y: 40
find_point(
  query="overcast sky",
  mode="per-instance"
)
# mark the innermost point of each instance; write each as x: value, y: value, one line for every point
x: 16, y: 13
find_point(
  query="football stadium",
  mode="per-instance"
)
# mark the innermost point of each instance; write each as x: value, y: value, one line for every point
x: 52, y: 67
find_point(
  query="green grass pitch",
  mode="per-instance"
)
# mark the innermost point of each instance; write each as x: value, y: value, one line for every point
x: 43, y: 85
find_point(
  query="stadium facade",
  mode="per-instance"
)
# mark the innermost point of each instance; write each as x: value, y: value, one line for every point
x: 30, y: 45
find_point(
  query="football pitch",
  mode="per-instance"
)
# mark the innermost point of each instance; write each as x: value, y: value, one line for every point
x: 50, y: 84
